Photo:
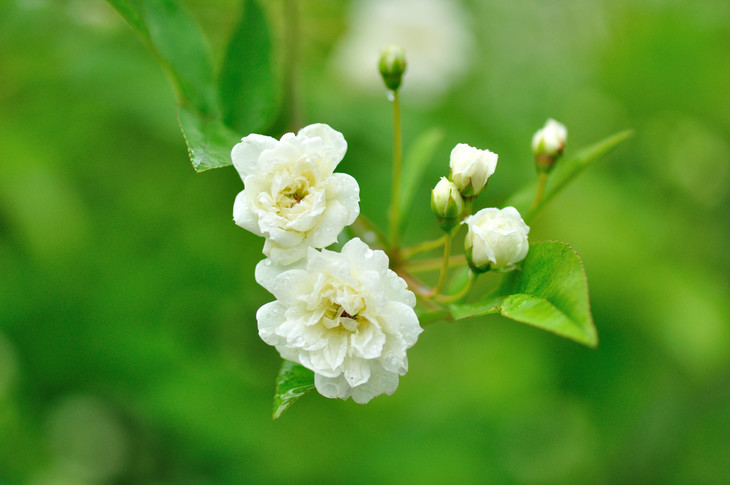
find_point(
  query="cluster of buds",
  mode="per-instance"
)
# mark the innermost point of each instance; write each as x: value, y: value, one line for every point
x: 496, y: 239
x: 470, y: 169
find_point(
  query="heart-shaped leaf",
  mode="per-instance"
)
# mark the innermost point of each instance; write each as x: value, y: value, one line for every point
x: 550, y: 291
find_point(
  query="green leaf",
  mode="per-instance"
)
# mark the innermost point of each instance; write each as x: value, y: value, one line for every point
x: 293, y: 382
x: 247, y: 87
x: 550, y: 292
x: 565, y: 171
x: 414, y: 165
x: 176, y: 40
x: 209, y: 141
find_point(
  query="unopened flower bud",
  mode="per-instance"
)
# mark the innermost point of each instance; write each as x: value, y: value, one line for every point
x: 548, y: 144
x: 471, y: 168
x: 392, y: 65
x: 496, y: 239
x: 446, y: 204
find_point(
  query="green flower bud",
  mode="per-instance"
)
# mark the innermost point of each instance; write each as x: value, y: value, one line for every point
x: 392, y: 65
x: 447, y: 204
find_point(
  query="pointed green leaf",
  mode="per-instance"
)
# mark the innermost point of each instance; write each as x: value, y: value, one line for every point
x: 247, y: 85
x: 565, y: 172
x: 209, y: 141
x: 177, y: 41
x: 414, y: 165
x: 550, y: 291
x: 293, y: 382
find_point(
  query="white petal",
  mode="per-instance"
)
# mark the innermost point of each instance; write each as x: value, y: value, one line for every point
x: 367, y: 342
x: 380, y: 382
x: 245, y: 155
x: 288, y: 285
x: 266, y: 272
x: 357, y: 371
x: 285, y: 255
x: 332, y: 387
x: 331, y: 147
x: 269, y: 317
x: 403, y: 321
x: 243, y: 216
x: 344, y: 187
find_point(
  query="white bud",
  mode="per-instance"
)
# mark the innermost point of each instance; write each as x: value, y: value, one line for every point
x: 471, y: 168
x: 446, y: 203
x: 549, y: 141
x: 496, y: 239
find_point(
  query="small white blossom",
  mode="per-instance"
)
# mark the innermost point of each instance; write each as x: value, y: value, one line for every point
x: 550, y: 140
x: 291, y: 195
x: 471, y: 168
x: 496, y: 239
x: 345, y: 316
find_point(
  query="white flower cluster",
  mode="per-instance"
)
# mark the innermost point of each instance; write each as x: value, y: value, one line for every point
x: 346, y: 316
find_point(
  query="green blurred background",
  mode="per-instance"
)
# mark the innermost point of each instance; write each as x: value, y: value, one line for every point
x: 128, y: 344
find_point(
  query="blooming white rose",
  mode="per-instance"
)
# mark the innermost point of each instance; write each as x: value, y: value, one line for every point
x: 471, y: 168
x: 345, y: 316
x: 550, y: 139
x: 291, y: 195
x: 496, y: 239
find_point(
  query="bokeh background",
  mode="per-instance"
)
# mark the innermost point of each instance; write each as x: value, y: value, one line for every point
x: 128, y: 344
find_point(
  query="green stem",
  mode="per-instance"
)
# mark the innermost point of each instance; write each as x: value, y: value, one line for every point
x: 444, y: 266
x: 541, y: 183
x: 291, y: 54
x: 411, y: 251
x: 397, y: 169
x: 461, y: 294
x: 432, y: 264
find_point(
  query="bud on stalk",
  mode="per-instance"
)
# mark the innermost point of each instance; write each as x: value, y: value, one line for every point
x: 392, y: 65
x: 447, y: 204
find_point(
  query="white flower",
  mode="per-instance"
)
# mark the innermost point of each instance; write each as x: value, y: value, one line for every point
x: 471, y: 168
x: 496, y: 239
x: 550, y: 139
x: 345, y: 316
x: 434, y: 33
x: 291, y: 196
